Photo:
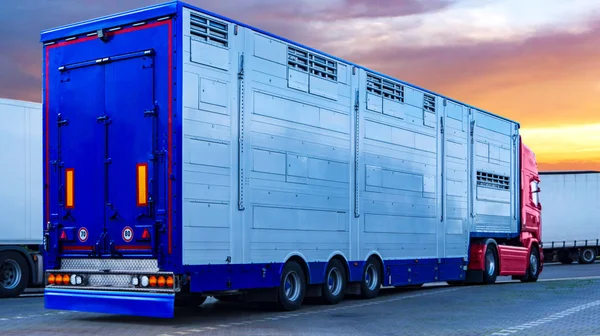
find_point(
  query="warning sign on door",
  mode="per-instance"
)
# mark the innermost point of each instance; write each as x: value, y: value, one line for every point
x: 83, y: 234
x: 127, y: 234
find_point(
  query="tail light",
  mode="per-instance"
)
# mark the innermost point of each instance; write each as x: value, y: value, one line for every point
x: 146, y: 281
x: 66, y: 279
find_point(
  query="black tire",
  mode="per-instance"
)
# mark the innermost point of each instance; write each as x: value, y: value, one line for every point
x: 371, y: 279
x: 334, y: 293
x: 294, y: 277
x: 588, y: 256
x: 490, y: 273
x: 533, y: 266
x: 14, y: 274
x: 189, y: 301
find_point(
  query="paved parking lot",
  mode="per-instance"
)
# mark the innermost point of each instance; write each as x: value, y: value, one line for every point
x: 548, y: 307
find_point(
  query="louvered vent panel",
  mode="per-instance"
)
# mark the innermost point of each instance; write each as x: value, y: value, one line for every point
x: 316, y: 65
x: 374, y: 85
x: 493, y: 181
x: 385, y: 88
x: 429, y: 103
x: 209, y: 30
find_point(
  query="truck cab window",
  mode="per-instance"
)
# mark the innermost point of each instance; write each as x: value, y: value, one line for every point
x: 535, y: 193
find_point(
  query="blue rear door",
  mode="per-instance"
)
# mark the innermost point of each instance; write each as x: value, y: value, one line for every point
x: 80, y: 154
x: 107, y: 137
x: 130, y: 137
x: 109, y: 134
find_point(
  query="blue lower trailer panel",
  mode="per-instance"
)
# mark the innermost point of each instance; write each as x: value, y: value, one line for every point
x: 214, y: 278
x: 109, y: 302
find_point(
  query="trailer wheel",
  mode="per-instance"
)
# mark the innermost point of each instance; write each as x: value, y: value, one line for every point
x: 533, y: 266
x: 292, y: 287
x: 371, y: 279
x: 588, y: 256
x: 335, y: 284
x: 14, y: 274
x: 491, y: 265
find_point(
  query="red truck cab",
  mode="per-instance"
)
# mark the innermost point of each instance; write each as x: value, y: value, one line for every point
x: 520, y: 257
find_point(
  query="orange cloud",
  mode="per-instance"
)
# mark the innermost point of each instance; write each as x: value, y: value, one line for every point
x: 542, y: 72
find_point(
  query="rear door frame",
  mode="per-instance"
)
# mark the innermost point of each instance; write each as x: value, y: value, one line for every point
x: 61, y: 50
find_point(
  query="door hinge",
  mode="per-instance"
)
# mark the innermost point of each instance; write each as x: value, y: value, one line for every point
x: 442, y: 125
x: 61, y: 121
x: 103, y: 119
x: 152, y: 112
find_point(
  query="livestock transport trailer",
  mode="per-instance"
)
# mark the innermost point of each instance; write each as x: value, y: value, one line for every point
x: 571, y: 231
x: 188, y: 155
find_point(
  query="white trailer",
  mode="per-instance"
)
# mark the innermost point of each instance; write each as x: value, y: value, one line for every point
x: 21, y: 263
x: 571, y: 227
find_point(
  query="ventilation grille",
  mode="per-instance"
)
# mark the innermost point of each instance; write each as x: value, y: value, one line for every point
x: 429, y: 103
x: 209, y: 31
x: 314, y: 64
x: 493, y: 181
x: 385, y: 88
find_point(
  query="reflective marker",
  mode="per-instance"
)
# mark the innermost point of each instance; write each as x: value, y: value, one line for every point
x: 70, y: 188
x: 142, y: 183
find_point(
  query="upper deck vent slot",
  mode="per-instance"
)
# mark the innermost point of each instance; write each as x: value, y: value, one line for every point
x: 314, y: 64
x: 429, y: 103
x: 385, y: 88
x: 209, y: 30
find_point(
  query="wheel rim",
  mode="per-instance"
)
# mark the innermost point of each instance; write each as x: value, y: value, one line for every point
x: 334, y: 281
x: 491, y: 262
x: 371, y: 277
x: 533, y: 263
x: 588, y: 255
x: 292, y: 286
x: 10, y: 274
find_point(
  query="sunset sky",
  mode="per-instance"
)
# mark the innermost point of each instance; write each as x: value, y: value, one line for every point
x: 534, y: 61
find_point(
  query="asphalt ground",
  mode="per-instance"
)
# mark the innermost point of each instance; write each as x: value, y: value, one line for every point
x: 565, y: 301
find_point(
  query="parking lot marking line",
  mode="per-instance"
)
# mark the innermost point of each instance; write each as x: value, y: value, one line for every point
x: 320, y: 311
x: 548, y: 319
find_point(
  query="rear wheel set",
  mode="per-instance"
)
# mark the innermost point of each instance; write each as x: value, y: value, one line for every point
x: 292, y: 287
x: 14, y: 274
x: 588, y: 255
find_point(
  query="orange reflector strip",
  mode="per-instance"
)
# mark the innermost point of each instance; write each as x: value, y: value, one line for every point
x: 142, y: 184
x: 70, y: 188
x: 58, y: 279
x: 170, y: 281
x: 152, y: 281
x: 161, y: 281
x: 51, y: 279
